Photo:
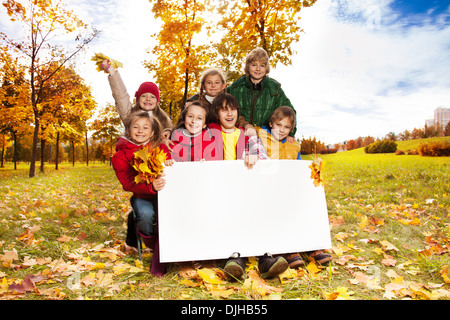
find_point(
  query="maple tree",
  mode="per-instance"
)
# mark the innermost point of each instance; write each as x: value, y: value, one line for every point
x: 179, y: 60
x: 107, y: 127
x: 247, y: 24
x: 68, y: 105
x: 14, y: 98
x: 44, y: 20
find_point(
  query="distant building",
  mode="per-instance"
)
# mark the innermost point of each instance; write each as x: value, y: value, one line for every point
x: 429, y: 122
x: 341, y: 146
x: 441, y: 117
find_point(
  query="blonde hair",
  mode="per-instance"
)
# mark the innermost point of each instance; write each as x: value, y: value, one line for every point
x: 155, y: 139
x: 281, y: 113
x: 211, y: 72
x: 258, y: 54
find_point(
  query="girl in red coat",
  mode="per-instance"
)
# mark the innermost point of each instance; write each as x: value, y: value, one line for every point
x: 193, y: 140
x: 141, y: 130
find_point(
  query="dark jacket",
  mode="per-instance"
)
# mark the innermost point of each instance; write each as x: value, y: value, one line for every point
x: 259, y: 102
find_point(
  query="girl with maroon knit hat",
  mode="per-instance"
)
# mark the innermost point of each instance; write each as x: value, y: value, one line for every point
x: 147, y: 99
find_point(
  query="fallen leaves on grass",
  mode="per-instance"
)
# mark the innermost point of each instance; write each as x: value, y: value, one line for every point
x: 385, y: 245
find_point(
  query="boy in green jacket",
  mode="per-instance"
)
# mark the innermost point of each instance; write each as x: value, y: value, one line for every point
x: 258, y: 95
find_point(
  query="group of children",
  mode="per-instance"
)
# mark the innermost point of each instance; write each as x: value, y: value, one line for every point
x: 210, y: 127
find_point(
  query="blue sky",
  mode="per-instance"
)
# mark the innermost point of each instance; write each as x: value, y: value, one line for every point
x: 363, y: 67
x: 369, y: 67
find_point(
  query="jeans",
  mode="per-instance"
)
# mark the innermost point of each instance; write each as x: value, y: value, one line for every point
x: 145, y: 215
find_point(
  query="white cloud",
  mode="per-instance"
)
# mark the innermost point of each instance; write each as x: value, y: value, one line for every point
x: 359, y: 70
x: 351, y: 78
x: 126, y: 29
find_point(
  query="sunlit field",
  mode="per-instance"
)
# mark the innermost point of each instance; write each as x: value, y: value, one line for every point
x: 63, y: 232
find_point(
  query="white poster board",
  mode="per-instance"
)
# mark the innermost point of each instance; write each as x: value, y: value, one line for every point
x: 209, y: 210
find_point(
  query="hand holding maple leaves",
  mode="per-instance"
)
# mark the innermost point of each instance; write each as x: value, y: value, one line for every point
x: 159, y: 183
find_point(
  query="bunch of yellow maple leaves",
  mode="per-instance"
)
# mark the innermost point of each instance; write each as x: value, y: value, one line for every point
x: 149, y: 163
x: 316, y: 171
x: 98, y: 58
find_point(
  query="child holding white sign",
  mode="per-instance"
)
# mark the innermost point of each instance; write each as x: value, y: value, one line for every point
x: 231, y: 141
x: 192, y: 139
x: 141, y: 130
x: 274, y: 138
x: 236, y: 145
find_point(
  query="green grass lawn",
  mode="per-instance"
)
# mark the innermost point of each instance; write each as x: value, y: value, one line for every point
x: 62, y: 235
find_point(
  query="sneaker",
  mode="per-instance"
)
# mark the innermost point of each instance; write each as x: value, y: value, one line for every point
x: 234, y: 268
x: 294, y: 260
x: 270, y: 266
x: 320, y: 256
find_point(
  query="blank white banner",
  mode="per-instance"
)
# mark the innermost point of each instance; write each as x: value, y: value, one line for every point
x: 209, y: 210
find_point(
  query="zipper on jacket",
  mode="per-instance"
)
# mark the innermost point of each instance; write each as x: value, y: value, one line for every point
x: 253, y: 101
x: 190, y: 147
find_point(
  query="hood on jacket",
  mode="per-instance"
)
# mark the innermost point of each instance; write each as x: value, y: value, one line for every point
x: 125, y: 143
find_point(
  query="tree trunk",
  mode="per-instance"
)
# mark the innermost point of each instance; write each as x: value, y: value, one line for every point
x: 42, y: 154
x: 73, y: 153
x: 57, y: 151
x: 15, y: 151
x: 87, y: 149
x: 34, y: 149
x: 3, y: 151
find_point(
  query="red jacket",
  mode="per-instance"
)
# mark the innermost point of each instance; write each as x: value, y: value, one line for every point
x: 122, y: 164
x: 194, y: 148
x: 242, y: 143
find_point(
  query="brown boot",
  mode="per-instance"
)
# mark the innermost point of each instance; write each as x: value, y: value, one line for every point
x: 294, y: 260
x: 320, y: 256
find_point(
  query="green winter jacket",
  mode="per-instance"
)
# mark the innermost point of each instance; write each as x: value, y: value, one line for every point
x: 258, y: 105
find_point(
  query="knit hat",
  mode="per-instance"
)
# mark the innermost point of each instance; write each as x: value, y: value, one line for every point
x: 147, y: 87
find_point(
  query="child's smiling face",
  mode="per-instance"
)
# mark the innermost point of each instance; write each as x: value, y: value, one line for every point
x: 147, y: 101
x: 228, y: 117
x: 257, y: 70
x: 214, y: 85
x: 195, y: 119
x: 281, y: 128
x: 141, y: 130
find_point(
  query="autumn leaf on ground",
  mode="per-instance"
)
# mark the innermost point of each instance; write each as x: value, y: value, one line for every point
x: 313, y: 270
x: 255, y: 283
x: 341, y: 293
x: 444, y: 273
x: 286, y: 275
x: 387, y: 246
x: 8, y: 257
x: 389, y: 261
x: 28, y: 236
x: 4, y: 285
x: 27, y: 285
x: 251, y: 264
x: 212, y: 276
x: 371, y: 282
